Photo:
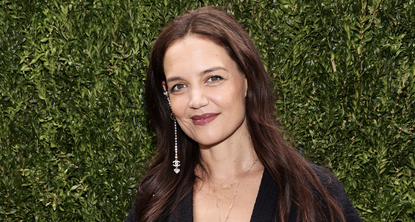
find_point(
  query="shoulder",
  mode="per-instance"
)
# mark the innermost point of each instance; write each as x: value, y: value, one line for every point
x: 336, y: 190
x: 132, y: 215
x: 330, y: 181
x: 183, y: 212
x: 326, y: 177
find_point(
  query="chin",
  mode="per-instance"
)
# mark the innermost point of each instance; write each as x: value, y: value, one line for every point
x: 209, y: 141
x: 207, y: 145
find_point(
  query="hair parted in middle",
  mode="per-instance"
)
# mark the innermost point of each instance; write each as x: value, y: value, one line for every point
x: 161, y: 189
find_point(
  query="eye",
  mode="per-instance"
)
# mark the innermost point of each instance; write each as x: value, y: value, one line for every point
x: 214, y: 79
x: 177, y: 87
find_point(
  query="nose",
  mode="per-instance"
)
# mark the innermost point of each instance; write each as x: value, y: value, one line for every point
x: 198, y: 99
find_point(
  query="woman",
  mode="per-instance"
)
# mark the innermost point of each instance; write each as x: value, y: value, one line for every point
x: 230, y: 162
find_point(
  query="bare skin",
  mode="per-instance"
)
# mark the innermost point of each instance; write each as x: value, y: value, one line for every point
x: 202, y: 79
x: 204, y: 206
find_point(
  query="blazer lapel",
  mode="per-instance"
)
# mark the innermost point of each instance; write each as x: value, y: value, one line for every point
x: 266, y: 201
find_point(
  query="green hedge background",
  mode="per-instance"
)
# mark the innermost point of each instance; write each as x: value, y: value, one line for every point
x: 74, y: 134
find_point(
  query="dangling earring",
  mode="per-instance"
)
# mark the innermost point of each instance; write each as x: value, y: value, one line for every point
x: 176, y: 162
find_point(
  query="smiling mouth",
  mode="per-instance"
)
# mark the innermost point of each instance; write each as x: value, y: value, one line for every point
x: 204, y: 119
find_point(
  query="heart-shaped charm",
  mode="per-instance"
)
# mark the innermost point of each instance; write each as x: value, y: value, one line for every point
x: 176, y: 170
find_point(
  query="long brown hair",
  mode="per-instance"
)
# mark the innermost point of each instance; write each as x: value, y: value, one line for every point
x: 161, y: 189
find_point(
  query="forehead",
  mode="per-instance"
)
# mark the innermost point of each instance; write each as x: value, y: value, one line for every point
x: 193, y: 54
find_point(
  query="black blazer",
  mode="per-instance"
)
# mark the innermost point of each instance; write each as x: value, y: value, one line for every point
x: 266, y: 201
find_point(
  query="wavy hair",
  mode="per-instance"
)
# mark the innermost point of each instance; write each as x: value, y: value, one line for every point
x: 161, y: 189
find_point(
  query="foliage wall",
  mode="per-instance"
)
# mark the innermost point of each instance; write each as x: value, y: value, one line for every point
x: 74, y: 133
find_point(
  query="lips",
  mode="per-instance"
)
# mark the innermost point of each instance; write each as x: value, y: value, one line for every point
x: 204, y: 119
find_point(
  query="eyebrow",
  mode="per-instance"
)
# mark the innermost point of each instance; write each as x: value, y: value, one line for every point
x: 175, y: 78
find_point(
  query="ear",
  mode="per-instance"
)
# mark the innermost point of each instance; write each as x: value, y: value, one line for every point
x: 164, y: 86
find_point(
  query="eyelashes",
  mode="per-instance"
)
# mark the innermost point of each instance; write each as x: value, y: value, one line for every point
x: 210, y: 81
x: 214, y: 78
x: 177, y: 87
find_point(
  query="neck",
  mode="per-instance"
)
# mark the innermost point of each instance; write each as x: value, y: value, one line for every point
x: 229, y: 160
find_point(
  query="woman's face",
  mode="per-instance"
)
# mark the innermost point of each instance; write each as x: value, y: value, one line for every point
x: 207, y: 91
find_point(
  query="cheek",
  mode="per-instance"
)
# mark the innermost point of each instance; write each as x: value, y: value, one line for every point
x: 177, y: 107
x: 234, y: 97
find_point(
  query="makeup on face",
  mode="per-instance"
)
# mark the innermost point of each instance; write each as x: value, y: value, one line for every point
x: 206, y: 90
x: 204, y: 119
